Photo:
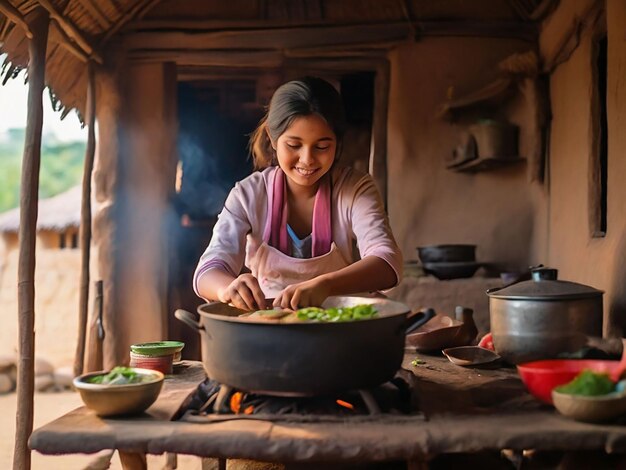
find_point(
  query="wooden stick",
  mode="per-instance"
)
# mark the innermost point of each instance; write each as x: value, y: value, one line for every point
x: 85, y: 221
x: 72, y: 31
x: 378, y: 146
x: 38, y: 22
x: 93, y: 9
x: 133, y: 460
x: 68, y: 44
x: 14, y: 15
x: 138, y: 10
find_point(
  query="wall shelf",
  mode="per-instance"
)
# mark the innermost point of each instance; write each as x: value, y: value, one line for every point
x: 485, y: 164
x: 493, y: 94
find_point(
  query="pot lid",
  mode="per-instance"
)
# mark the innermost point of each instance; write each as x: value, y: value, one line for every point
x: 545, y: 286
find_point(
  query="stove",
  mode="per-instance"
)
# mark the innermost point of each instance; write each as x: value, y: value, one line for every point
x: 213, y: 401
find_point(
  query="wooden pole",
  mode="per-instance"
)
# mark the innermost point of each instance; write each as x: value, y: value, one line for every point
x: 378, y: 147
x: 85, y: 221
x: 38, y: 23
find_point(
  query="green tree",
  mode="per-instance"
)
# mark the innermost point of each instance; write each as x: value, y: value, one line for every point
x: 61, y: 167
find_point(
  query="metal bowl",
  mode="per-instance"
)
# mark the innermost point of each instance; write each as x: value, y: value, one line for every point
x: 446, y: 253
x: 451, y: 270
x: 112, y: 400
x: 590, y: 409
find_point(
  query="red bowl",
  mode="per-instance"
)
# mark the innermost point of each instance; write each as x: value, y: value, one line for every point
x: 540, y: 377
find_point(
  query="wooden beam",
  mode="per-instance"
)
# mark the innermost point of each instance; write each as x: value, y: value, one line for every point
x: 272, y: 39
x: 15, y: 16
x: 424, y: 28
x: 138, y: 10
x: 243, y: 59
x: 187, y: 24
x: 470, y: 28
x: 361, y: 50
x: 38, y: 22
x: 71, y: 31
x: 218, y: 74
x: 338, y: 64
x: 85, y: 221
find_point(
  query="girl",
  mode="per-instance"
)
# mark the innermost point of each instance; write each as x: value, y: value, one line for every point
x: 294, y: 222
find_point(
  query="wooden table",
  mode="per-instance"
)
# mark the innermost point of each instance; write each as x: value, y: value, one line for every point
x: 467, y: 410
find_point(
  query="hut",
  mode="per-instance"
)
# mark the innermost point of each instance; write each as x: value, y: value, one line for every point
x: 495, y: 123
x: 57, y: 276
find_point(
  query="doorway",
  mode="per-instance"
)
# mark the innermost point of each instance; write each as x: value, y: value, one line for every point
x: 215, y: 119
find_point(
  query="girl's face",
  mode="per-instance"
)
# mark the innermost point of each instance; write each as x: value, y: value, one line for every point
x: 306, y: 150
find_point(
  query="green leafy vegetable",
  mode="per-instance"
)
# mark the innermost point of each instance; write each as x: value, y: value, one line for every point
x: 588, y: 383
x: 120, y: 376
x: 337, y: 314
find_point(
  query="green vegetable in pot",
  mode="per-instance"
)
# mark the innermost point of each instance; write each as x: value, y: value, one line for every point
x: 337, y: 314
x: 588, y: 383
x: 119, y: 376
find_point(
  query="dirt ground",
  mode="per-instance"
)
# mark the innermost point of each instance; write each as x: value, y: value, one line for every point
x: 49, y: 406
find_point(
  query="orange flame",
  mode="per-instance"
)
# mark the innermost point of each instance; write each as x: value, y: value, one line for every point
x: 345, y: 404
x: 235, y: 402
x: 249, y: 410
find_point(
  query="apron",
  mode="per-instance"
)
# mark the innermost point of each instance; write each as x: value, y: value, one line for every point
x: 275, y: 270
x: 268, y: 259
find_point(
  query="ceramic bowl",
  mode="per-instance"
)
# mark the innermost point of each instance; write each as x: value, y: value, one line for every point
x: 540, y: 377
x: 440, y: 332
x: 112, y: 400
x: 157, y: 348
x: 590, y: 409
x: 470, y: 356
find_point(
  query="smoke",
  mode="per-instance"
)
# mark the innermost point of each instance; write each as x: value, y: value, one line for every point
x: 203, y: 189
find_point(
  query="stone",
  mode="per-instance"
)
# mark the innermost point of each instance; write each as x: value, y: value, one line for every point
x: 6, y: 384
x: 44, y: 382
x: 6, y: 362
x: 43, y: 367
x: 63, y: 377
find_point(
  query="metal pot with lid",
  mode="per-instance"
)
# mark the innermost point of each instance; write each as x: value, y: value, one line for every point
x: 543, y: 317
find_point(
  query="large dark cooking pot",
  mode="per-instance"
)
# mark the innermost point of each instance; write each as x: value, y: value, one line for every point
x: 303, y: 358
x: 544, y: 317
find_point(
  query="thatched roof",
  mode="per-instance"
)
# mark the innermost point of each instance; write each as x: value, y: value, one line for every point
x: 57, y: 213
x: 190, y: 31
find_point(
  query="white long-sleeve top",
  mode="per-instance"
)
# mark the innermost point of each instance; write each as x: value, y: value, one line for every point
x: 357, y: 215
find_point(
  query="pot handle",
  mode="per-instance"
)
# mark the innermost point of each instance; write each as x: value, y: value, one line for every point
x: 188, y: 319
x: 417, y: 320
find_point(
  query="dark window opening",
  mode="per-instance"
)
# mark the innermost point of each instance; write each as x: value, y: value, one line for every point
x: 75, y: 240
x: 61, y: 240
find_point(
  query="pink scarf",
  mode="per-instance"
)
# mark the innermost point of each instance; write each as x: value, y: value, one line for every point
x: 322, y: 229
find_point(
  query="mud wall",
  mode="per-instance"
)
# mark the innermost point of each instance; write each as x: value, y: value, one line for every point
x: 597, y: 261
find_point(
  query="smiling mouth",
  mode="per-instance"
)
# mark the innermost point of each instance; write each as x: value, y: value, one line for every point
x: 305, y: 172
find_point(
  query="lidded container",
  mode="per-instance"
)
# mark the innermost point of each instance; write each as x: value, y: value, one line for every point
x: 543, y: 317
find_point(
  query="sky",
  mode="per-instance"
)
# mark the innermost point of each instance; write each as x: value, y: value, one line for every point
x: 13, y: 99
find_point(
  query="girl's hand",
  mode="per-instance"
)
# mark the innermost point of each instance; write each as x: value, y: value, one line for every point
x: 244, y: 293
x: 304, y: 294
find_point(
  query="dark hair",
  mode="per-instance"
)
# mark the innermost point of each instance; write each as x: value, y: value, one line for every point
x: 302, y: 97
